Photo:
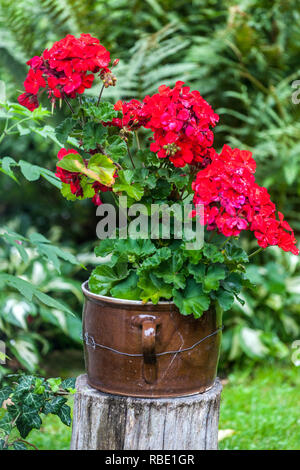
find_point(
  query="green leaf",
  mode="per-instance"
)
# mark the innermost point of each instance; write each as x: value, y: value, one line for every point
x: 125, y: 183
x: 197, y: 271
x: 29, y: 171
x: 54, y: 384
x: 18, y: 445
x: 213, y: 253
x: 28, y: 420
x: 63, y: 130
x: 233, y: 282
x: 6, y: 163
x: 214, y: 274
x: 155, y: 260
x: 93, y: 134
x: 25, y: 384
x: 169, y: 271
x: 153, y: 289
x: 224, y: 298
x: 33, y: 401
x: 127, y: 289
x: 104, y: 277
x: 116, y: 147
x: 103, y: 112
x: 192, y: 300
x: 53, y: 406
x: 68, y: 384
x: 101, y: 168
x: 4, y: 394
x: 235, y: 253
x: 65, y: 415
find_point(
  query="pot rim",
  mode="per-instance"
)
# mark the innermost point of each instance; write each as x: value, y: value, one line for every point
x: 89, y: 294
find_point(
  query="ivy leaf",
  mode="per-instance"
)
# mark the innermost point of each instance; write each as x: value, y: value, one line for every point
x: 54, y: 384
x: 68, y: 384
x: 192, y: 300
x: 4, y: 394
x: 18, y: 445
x: 25, y: 384
x: 127, y: 289
x: 125, y: 183
x: 104, y: 277
x: 65, y: 415
x: 33, y: 401
x: 153, y: 288
x: 5, y: 424
x: 28, y: 420
x: 53, y: 406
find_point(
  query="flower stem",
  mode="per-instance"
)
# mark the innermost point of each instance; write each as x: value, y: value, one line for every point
x: 137, y: 140
x: 69, y: 104
x: 130, y: 156
x: 255, y: 252
x: 100, y: 95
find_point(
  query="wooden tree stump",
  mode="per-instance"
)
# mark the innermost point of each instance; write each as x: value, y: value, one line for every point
x: 110, y: 422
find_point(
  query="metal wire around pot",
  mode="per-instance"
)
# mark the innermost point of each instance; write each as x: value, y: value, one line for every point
x: 89, y: 341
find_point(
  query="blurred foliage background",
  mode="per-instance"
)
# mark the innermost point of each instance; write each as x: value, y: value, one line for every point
x: 243, y: 57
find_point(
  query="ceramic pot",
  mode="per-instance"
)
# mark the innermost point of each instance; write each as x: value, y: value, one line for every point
x: 146, y: 350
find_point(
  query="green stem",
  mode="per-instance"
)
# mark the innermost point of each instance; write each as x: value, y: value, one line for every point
x: 255, y: 252
x: 129, y: 154
x: 137, y: 140
x: 69, y: 104
x: 100, y: 95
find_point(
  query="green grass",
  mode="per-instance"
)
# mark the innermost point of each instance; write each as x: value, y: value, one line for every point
x: 263, y: 410
x: 261, y: 407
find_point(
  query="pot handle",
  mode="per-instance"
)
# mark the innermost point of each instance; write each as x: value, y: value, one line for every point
x: 148, y: 345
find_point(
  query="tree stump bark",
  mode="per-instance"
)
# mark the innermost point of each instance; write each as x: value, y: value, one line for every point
x: 110, y: 422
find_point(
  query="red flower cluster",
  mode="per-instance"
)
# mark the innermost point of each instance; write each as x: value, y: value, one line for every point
x: 132, y: 118
x: 181, y: 122
x: 63, y: 69
x: 74, y: 179
x: 234, y: 202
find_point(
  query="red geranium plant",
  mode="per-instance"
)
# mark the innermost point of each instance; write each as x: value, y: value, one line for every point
x: 177, y: 163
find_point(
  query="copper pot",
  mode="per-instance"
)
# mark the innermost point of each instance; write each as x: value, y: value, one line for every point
x: 146, y: 350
